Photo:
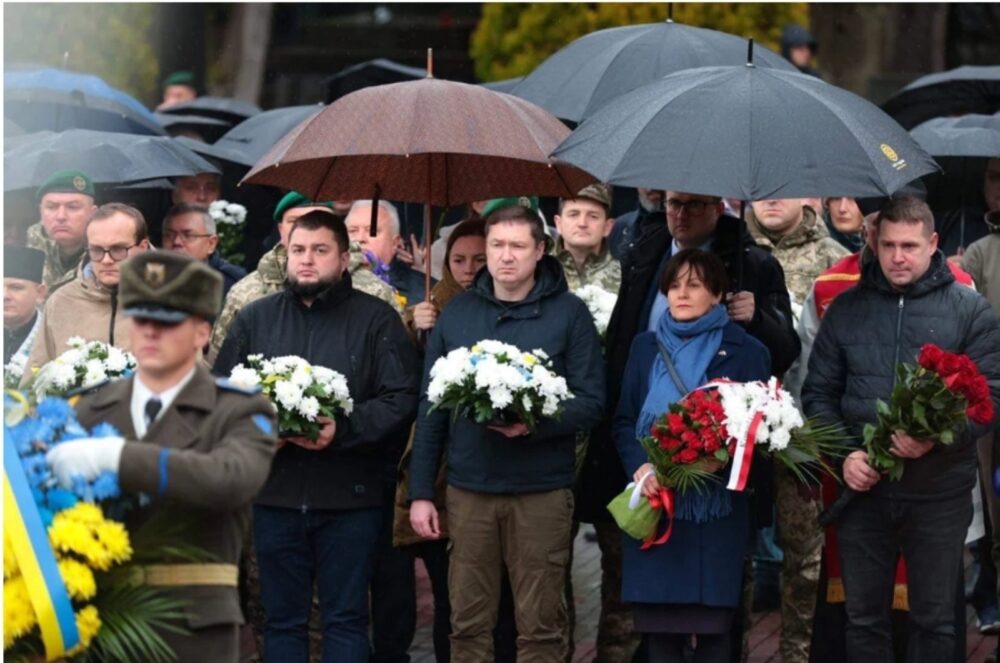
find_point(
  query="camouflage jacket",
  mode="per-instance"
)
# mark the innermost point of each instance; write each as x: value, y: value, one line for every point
x: 270, y: 278
x: 804, y: 253
x: 57, y: 270
x: 601, y: 270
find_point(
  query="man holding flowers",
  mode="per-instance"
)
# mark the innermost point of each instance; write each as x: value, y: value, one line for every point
x: 509, y: 495
x: 907, y: 298
x: 319, y: 515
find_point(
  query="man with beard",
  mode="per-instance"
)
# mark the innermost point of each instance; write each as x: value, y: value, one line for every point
x: 319, y: 515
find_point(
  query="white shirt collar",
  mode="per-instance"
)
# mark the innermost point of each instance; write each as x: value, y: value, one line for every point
x: 141, y: 393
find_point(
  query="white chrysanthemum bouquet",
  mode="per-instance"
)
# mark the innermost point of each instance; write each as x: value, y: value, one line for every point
x: 600, y: 303
x: 763, y: 417
x: 83, y: 365
x: 497, y: 383
x: 299, y: 391
x: 229, y: 219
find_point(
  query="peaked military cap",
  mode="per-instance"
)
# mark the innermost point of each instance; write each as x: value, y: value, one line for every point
x: 169, y: 287
x: 67, y: 181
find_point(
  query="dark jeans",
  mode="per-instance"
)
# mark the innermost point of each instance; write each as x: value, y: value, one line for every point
x: 334, y: 549
x: 394, y: 594
x: 873, y: 531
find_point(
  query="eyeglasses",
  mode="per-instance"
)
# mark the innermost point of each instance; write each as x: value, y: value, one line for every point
x: 186, y: 236
x: 117, y: 253
x: 694, y: 207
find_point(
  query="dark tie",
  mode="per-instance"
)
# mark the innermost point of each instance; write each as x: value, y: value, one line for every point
x: 153, y: 407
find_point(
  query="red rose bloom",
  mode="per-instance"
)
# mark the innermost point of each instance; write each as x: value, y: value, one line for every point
x: 687, y: 456
x: 981, y: 412
x: 676, y: 423
x: 929, y: 357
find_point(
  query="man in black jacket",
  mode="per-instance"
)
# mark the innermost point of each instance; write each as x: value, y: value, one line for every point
x: 319, y: 514
x: 905, y: 299
x: 509, y: 496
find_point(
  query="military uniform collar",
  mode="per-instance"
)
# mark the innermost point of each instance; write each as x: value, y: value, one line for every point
x: 566, y: 258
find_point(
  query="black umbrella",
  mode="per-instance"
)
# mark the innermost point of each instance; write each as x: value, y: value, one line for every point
x: 747, y: 133
x: 968, y: 136
x: 228, y: 110
x: 603, y: 65
x: 365, y: 74
x: 251, y: 139
x: 966, y: 89
x: 208, y: 128
x: 108, y: 158
x: 221, y: 155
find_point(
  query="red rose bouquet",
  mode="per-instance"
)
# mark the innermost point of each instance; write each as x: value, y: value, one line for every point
x: 690, y: 443
x: 931, y: 401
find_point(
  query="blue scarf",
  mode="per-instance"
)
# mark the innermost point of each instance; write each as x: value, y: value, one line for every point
x: 691, y: 346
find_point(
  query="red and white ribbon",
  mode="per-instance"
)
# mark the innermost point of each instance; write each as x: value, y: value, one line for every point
x: 743, y: 455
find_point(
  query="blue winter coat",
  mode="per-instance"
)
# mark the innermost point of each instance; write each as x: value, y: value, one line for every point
x: 702, y: 563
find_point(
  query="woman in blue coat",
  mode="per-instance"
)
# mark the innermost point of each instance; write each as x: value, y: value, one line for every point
x: 691, y: 585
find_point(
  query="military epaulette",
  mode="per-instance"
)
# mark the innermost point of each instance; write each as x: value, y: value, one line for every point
x: 224, y: 383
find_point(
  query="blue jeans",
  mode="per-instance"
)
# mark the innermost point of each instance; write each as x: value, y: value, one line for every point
x: 333, y: 549
x: 872, y: 533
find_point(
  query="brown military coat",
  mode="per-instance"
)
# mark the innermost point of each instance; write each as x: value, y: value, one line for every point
x: 215, y: 443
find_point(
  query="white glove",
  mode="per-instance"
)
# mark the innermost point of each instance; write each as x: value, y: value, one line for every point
x: 86, y: 457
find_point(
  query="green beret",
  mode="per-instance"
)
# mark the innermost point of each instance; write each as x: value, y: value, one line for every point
x: 179, y: 78
x: 295, y: 199
x: 67, y: 181
x: 168, y: 286
x: 497, y: 203
x: 20, y: 262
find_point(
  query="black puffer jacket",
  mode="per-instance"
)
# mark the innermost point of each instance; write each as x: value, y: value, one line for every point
x: 870, y: 328
x: 550, y: 318
x: 362, y: 338
x: 603, y: 476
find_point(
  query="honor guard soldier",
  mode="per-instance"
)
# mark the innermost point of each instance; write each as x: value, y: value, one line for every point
x: 197, y: 447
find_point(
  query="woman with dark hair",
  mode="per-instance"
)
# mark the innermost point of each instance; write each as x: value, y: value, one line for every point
x: 692, y: 584
x: 464, y: 256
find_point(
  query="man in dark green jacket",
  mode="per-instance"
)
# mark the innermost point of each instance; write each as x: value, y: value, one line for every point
x: 509, y: 497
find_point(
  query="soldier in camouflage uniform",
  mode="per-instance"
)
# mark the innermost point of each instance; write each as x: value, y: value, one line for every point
x: 799, y: 240
x: 267, y: 279
x: 65, y: 202
x: 582, y: 248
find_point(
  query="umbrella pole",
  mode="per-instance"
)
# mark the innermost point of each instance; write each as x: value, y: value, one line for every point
x: 427, y: 252
x: 739, y: 247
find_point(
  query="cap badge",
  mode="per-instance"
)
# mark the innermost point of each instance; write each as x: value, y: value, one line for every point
x: 156, y: 274
x: 79, y: 183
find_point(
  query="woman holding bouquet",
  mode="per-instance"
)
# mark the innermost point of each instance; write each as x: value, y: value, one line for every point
x: 691, y: 584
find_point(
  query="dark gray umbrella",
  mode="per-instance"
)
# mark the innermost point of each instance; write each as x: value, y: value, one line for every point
x: 209, y: 128
x: 380, y: 71
x: 968, y: 89
x: 218, y: 154
x: 969, y: 136
x: 108, y: 158
x: 747, y: 133
x: 228, y: 110
x: 603, y: 65
x: 251, y: 139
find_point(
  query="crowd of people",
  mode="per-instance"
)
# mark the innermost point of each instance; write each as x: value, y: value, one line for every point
x: 316, y: 540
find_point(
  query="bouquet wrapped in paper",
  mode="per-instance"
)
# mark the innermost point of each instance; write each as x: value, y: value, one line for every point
x: 229, y: 226
x: 723, y: 424
x: 84, y: 365
x: 299, y: 391
x: 600, y: 303
x: 497, y: 383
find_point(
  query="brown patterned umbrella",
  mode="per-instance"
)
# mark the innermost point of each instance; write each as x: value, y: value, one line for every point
x: 429, y: 141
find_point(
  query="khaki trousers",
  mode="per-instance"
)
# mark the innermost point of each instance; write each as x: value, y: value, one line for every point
x: 530, y: 535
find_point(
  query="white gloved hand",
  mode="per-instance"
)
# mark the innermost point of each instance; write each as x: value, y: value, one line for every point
x: 86, y: 457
